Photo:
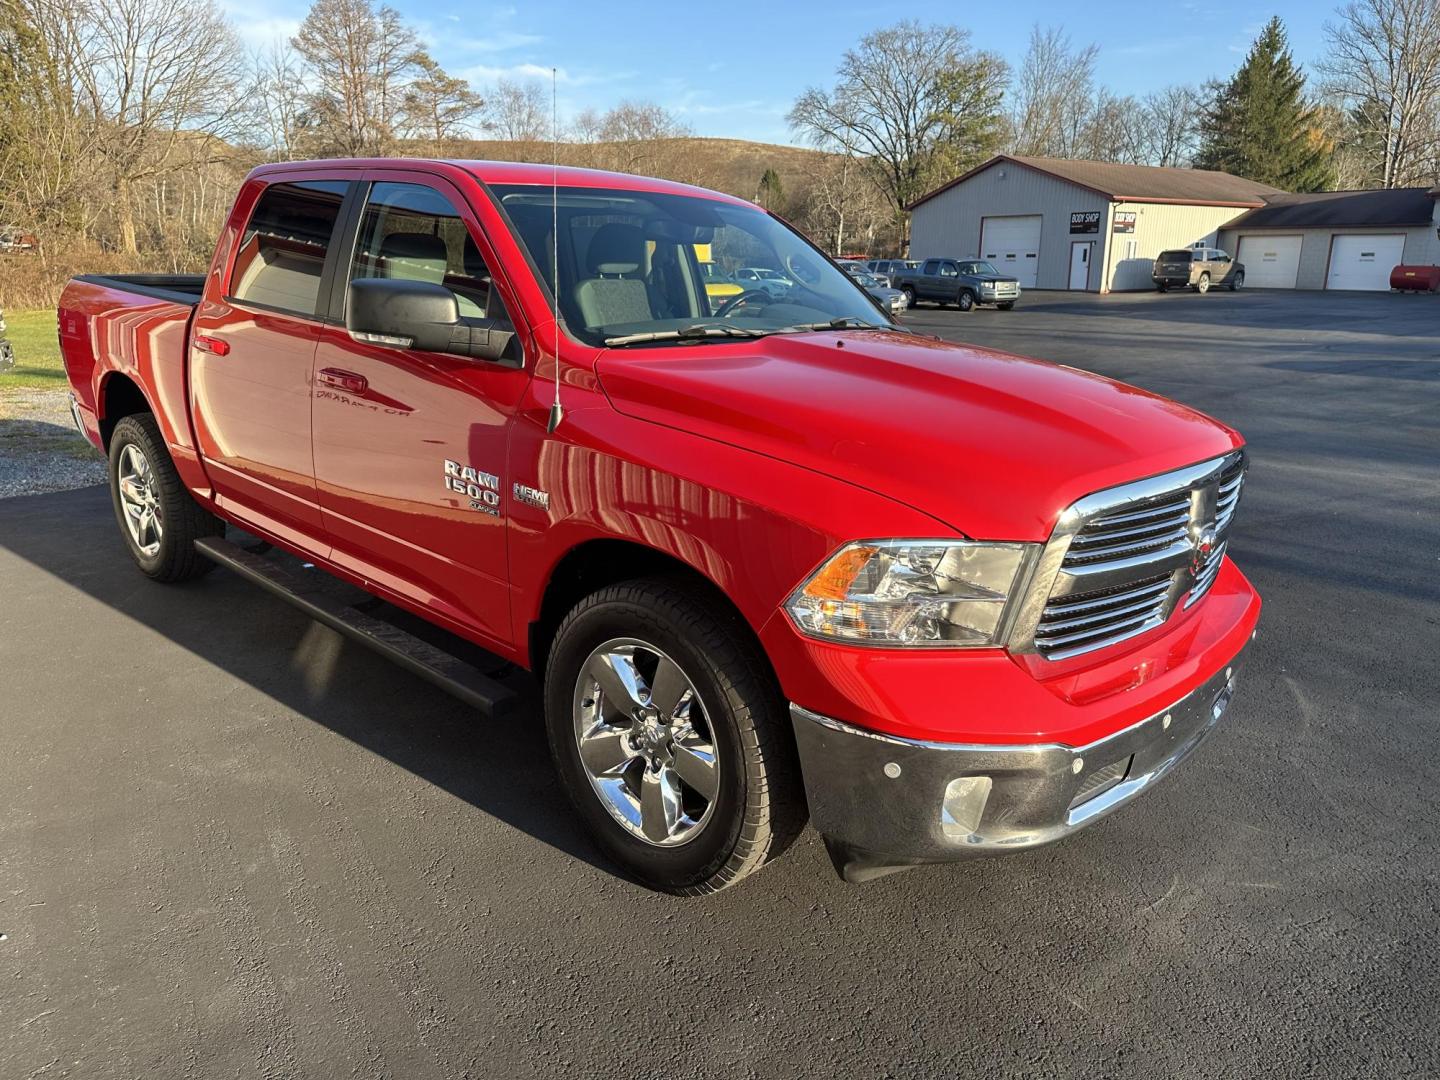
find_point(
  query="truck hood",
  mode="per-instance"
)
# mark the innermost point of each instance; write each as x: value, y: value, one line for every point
x: 995, y: 279
x: 994, y: 445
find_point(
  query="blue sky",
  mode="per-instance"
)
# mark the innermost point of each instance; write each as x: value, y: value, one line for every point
x: 732, y: 70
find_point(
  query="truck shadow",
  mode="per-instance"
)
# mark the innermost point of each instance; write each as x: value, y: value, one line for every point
x: 501, y: 767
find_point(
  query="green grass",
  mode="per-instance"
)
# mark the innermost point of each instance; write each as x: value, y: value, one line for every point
x: 37, y: 352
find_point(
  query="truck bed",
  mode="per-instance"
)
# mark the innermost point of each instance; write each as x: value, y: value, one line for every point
x: 127, y: 334
x: 180, y: 288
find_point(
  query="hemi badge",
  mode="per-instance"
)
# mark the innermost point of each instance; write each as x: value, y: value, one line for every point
x: 534, y: 496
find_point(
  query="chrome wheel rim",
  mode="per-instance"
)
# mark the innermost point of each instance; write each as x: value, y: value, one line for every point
x: 1203, y: 285
x: 645, y: 742
x: 140, y: 501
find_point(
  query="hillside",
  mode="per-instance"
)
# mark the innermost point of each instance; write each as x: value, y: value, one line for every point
x: 730, y: 165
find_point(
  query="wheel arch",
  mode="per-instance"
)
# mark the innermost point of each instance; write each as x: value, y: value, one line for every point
x: 595, y: 563
x: 118, y: 396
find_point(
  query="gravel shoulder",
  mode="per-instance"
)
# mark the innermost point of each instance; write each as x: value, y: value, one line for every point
x: 40, y: 450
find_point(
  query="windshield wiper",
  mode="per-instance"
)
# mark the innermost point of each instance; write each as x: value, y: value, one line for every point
x: 846, y: 322
x: 685, y: 333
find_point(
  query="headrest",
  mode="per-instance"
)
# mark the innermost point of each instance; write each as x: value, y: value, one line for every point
x: 414, y: 256
x: 616, y: 249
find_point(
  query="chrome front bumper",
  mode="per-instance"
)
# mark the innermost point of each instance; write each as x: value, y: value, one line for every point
x: 884, y: 803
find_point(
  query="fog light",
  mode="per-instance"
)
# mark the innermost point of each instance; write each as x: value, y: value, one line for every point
x: 963, y: 806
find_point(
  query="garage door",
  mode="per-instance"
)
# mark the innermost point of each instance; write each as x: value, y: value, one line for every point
x: 1271, y: 262
x: 1013, y: 245
x: 1364, y: 262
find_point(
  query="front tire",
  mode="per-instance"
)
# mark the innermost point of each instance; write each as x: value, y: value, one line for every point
x: 1237, y: 282
x: 966, y: 300
x: 671, y: 737
x: 1007, y: 306
x: 909, y: 296
x: 158, y: 518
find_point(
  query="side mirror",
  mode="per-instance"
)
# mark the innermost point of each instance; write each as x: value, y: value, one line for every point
x: 424, y: 315
x: 404, y: 314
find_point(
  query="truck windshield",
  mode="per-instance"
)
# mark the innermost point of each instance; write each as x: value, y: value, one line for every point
x: 981, y: 268
x: 651, y: 268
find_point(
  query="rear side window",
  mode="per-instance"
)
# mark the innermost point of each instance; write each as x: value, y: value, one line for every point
x: 282, y: 252
x: 1175, y: 256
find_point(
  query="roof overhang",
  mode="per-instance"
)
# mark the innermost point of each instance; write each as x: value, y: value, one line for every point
x: 1114, y: 197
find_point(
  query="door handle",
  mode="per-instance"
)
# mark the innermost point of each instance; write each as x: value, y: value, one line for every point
x: 213, y: 345
x: 349, y: 381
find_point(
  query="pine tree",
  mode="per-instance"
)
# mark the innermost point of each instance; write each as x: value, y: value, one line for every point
x: 1260, y: 126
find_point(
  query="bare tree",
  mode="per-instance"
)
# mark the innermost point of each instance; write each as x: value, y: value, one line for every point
x: 361, y: 60
x: 916, y: 101
x: 1113, y: 129
x: 518, y: 112
x: 1171, y: 125
x: 439, y: 107
x: 280, y: 98
x: 1384, y: 66
x: 156, y: 78
x: 1052, y: 96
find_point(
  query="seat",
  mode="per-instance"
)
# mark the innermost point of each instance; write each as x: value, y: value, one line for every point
x: 607, y: 297
x: 414, y: 257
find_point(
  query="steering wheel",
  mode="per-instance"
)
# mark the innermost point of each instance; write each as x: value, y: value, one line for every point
x: 724, y: 310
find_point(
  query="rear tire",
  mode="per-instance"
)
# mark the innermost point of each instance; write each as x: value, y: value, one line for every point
x: 158, y: 519
x: 1203, y: 285
x: 703, y: 831
x: 1162, y: 287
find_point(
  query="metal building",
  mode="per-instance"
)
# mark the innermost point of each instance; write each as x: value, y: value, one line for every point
x: 1097, y: 227
x: 1336, y: 239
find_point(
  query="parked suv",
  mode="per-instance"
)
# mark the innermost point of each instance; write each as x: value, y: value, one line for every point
x: 1200, y: 268
x: 891, y: 268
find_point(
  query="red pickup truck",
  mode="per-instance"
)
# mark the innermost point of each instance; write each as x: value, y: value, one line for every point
x: 768, y: 556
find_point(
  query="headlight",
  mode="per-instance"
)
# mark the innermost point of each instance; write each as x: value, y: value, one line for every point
x: 922, y: 594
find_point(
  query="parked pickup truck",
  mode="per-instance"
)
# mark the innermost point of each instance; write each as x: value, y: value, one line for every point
x: 767, y: 557
x: 7, y: 351
x: 962, y: 282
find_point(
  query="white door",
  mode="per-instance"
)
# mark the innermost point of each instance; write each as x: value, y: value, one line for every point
x: 1013, y: 245
x: 1271, y: 262
x: 1364, y: 262
x: 1080, y: 264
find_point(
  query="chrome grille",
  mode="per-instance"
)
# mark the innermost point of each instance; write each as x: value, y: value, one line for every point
x: 1084, y: 621
x: 1121, y: 561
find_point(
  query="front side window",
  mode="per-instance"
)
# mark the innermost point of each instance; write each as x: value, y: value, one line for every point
x: 948, y: 270
x: 666, y: 267
x: 282, y: 251
x: 414, y: 233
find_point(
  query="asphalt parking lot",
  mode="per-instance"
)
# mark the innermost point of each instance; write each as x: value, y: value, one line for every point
x: 233, y: 844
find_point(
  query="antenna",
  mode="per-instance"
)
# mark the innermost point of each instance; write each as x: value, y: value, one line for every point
x: 557, y: 411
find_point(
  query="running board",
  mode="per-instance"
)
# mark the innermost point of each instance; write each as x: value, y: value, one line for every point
x: 450, y: 673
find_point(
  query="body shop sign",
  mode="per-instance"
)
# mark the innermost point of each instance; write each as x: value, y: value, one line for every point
x: 1085, y: 221
x: 1124, y: 221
